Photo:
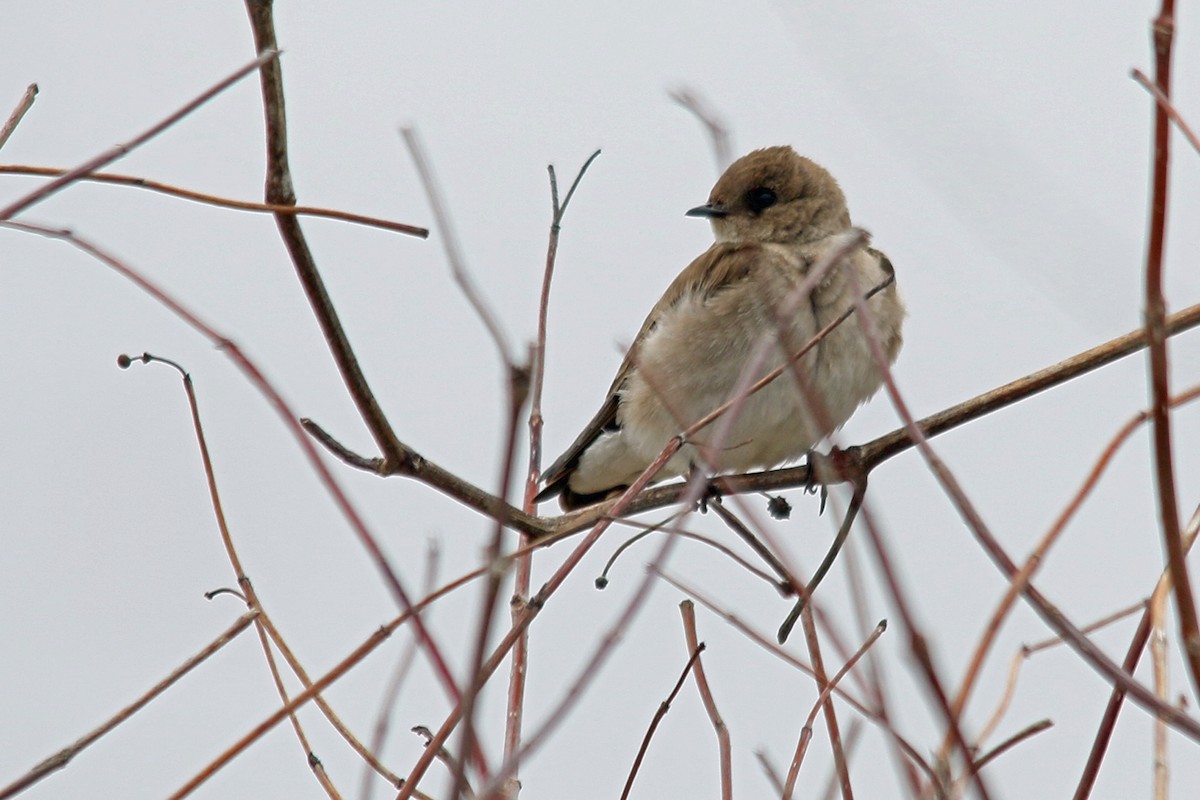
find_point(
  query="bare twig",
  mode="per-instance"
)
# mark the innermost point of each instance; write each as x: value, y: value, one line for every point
x: 518, y: 393
x: 718, y: 131
x: 1044, y: 608
x: 387, y: 704
x: 822, y: 700
x: 805, y: 593
x: 262, y: 621
x: 281, y: 407
x: 770, y: 646
x: 782, y: 585
x: 1011, y: 742
x: 1165, y: 104
x: 222, y: 202
x: 64, y: 756
x: 279, y: 191
x: 724, y: 748
x: 1024, y: 653
x: 825, y: 704
x: 1156, y: 334
x: 112, y: 154
x: 1116, y: 699
x: 18, y: 113
x: 522, y: 577
x: 1038, y: 556
x: 458, y: 265
x: 663, y: 708
x: 770, y: 771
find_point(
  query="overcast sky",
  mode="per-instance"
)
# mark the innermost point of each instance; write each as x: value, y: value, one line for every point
x: 999, y: 156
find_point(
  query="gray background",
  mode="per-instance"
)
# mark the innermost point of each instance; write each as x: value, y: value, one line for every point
x: 999, y: 156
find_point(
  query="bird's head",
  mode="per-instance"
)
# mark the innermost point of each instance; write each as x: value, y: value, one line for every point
x: 775, y: 195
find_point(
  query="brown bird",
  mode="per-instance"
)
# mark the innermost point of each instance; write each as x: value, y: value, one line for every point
x: 775, y: 214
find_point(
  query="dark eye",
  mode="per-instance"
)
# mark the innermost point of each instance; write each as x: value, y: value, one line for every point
x: 760, y: 199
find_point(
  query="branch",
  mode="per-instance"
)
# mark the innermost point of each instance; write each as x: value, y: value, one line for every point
x: 1155, y: 314
x: 279, y: 191
x: 266, y: 56
x: 875, y: 452
x: 222, y: 202
x: 64, y: 756
x: 454, y: 255
x: 18, y: 113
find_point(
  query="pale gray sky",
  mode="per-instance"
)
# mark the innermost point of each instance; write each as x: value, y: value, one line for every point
x: 1000, y: 157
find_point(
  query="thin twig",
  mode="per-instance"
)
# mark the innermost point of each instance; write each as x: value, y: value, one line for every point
x: 119, y: 151
x: 1011, y: 742
x: 387, y: 704
x: 825, y: 703
x: 522, y: 577
x: 264, y: 623
x: 770, y: 771
x: 724, y: 748
x: 661, y: 712
x: 222, y: 202
x: 1044, y: 608
x: 1165, y: 104
x: 1159, y: 372
x: 64, y: 756
x: 718, y: 131
x: 874, y: 682
x: 1023, y: 654
x: 1038, y: 556
x: 458, y: 265
x: 280, y: 191
x: 770, y: 646
x: 805, y: 593
x: 822, y: 699
x: 18, y: 113
x: 1116, y: 699
x: 518, y: 393
x: 286, y: 414
x: 783, y: 585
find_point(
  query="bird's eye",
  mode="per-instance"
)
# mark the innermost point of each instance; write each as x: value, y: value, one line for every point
x: 760, y: 199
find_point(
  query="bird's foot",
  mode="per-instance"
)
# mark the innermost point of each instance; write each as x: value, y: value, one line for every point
x: 817, y: 466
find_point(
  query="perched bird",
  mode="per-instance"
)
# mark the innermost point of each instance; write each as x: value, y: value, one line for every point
x: 774, y: 214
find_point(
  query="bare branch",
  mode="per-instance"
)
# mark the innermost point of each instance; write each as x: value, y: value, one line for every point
x: 1156, y: 334
x: 454, y: 255
x: 18, y: 113
x: 718, y: 131
x: 64, y: 756
x: 222, y: 202
x: 121, y: 150
x: 688, y: 610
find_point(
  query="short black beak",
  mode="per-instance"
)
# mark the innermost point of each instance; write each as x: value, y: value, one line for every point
x: 709, y: 210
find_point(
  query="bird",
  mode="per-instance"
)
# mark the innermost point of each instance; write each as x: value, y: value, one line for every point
x: 774, y: 214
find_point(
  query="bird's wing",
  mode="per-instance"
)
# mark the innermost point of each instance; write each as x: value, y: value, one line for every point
x: 721, y: 266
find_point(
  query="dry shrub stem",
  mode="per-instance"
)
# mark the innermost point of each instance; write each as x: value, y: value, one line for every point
x: 64, y: 756
x: 279, y: 191
x: 18, y: 113
x: 1155, y: 312
x: 222, y: 202
x: 822, y: 699
x: 724, y: 748
x: 661, y: 712
x: 770, y: 646
x: 266, y: 56
x: 522, y: 574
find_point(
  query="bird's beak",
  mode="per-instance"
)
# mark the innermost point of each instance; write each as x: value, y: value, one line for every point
x: 709, y: 210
